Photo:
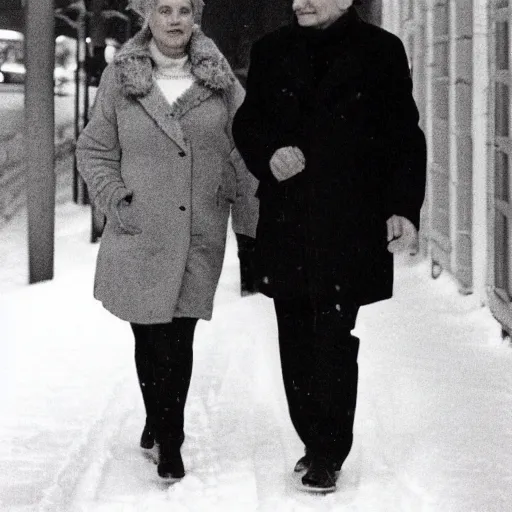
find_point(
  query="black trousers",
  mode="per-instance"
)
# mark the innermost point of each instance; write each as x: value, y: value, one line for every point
x: 320, y: 372
x: 164, y: 357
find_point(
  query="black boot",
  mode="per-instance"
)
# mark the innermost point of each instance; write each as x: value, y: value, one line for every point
x: 246, y: 247
x: 170, y: 463
x: 147, y: 439
x: 144, y: 357
x: 321, y: 475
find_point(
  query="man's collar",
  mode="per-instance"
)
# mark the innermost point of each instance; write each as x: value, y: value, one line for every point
x: 336, y: 31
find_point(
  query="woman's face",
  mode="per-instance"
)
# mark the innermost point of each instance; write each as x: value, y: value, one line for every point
x: 319, y: 13
x: 171, y: 23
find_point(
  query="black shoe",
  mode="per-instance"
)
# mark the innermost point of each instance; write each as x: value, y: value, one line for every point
x: 303, y: 464
x: 147, y: 439
x: 170, y: 463
x: 305, y: 461
x: 321, y: 475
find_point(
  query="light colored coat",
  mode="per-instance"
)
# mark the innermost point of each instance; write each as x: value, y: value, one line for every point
x: 179, y: 165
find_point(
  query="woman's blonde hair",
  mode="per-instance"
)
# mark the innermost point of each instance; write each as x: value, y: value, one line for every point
x: 144, y: 7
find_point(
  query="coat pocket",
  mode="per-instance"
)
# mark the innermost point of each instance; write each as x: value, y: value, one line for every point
x: 126, y: 220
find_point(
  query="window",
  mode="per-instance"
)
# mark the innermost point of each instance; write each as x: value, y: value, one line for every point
x: 501, y: 81
x: 501, y: 177
x: 501, y: 267
x: 502, y: 45
x: 501, y: 110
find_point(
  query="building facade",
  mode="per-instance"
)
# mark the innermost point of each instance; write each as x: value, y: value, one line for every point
x: 459, y: 52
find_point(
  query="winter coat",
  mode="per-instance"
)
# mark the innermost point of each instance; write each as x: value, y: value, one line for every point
x: 179, y: 174
x: 343, y: 95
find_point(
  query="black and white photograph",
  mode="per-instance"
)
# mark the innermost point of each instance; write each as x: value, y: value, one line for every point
x: 255, y: 256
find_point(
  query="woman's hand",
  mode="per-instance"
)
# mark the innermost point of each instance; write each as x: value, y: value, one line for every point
x: 120, y: 208
x: 402, y: 234
x: 125, y: 226
x: 287, y: 162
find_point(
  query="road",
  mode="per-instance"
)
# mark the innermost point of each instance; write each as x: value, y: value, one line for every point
x: 12, y: 108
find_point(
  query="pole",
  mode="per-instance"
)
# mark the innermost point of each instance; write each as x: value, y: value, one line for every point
x: 97, y: 43
x: 76, y: 176
x: 82, y: 92
x: 87, y: 72
x: 77, y: 181
x: 40, y: 138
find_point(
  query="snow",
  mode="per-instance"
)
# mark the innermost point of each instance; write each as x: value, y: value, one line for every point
x: 433, y: 430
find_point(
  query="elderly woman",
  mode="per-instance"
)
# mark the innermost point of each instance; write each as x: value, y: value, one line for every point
x: 330, y: 128
x: 159, y: 161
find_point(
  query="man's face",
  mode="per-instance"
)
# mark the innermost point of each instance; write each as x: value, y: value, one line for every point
x: 319, y: 13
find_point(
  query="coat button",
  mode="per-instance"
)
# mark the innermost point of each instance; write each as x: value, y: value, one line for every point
x: 182, y: 153
x: 182, y: 208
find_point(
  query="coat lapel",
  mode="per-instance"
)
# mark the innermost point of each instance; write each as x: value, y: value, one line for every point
x: 192, y: 98
x: 346, y: 69
x: 157, y: 107
x: 134, y: 70
x: 296, y: 88
x: 167, y: 116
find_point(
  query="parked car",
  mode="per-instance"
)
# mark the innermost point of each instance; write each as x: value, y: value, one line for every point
x: 14, y: 73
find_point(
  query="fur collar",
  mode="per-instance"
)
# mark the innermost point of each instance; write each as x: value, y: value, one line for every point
x: 134, y: 66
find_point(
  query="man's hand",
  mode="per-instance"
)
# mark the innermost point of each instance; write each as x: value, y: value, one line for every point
x: 402, y: 234
x: 287, y: 162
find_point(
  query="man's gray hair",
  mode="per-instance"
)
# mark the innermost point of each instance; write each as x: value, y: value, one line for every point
x: 144, y: 8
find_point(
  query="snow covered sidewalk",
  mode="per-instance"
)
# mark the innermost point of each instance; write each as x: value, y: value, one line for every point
x: 433, y: 428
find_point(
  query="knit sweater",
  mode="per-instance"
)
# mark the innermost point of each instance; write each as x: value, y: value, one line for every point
x: 172, y: 75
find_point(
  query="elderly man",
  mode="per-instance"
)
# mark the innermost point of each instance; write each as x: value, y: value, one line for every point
x: 329, y: 127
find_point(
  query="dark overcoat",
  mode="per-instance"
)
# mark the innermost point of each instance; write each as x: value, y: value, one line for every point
x: 323, y: 232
